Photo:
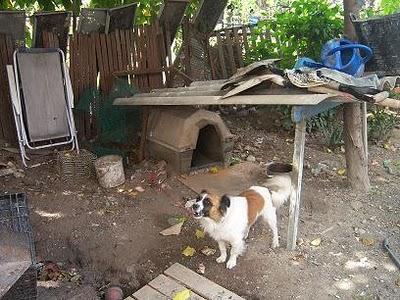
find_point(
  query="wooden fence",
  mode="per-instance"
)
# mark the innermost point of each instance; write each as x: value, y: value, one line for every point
x: 216, y: 55
x: 228, y: 48
x: 96, y: 60
x: 7, y: 126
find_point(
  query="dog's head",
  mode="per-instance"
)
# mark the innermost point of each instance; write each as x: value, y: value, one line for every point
x: 211, y: 206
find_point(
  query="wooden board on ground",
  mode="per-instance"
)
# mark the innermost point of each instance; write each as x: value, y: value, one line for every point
x: 177, y: 279
x: 200, y: 284
x: 148, y: 293
x: 232, y: 180
x: 170, y: 287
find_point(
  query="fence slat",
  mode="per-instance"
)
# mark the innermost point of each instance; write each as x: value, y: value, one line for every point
x: 220, y: 47
x: 238, y: 47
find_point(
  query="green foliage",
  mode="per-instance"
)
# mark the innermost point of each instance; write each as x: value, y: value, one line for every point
x: 300, y: 30
x: 381, y: 121
x: 146, y: 11
x: 390, y: 6
x: 329, y: 125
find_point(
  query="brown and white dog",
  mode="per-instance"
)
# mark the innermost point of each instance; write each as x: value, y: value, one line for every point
x: 228, y: 219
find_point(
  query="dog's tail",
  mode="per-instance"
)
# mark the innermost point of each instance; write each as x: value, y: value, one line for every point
x: 279, y: 182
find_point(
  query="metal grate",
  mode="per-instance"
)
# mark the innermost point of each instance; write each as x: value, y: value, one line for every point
x: 14, y: 215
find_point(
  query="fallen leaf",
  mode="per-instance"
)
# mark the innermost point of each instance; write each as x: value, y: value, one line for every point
x: 172, y: 230
x: 176, y: 220
x: 207, y: 251
x: 201, y: 269
x: 189, y: 251
x: 316, y: 242
x: 341, y: 171
x: 182, y: 295
x: 121, y: 190
x: 397, y: 282
x: 214, y: 170
x: 367, y: 240
x: 139, y: 189
x: 199, y: 234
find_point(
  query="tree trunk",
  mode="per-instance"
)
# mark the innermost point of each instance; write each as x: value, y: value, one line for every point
x: 356, y: 161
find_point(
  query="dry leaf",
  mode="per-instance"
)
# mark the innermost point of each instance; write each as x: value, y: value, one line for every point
x: 316, y: 242
x: 367, y: 241
x: 173, y: 230
x: 201, y: 269
x: 182, y: 295
x: 341, y: 171
x: 139, y: 189
x: 189, y: 251
x: 176, y: 220
x: 199, y: 234
x: 397, y: 282
x: 214, y: 170
x: 207, y: 251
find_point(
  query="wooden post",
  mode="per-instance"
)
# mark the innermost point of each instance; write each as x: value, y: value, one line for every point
x: 297, y: 177
x: 356, y: 161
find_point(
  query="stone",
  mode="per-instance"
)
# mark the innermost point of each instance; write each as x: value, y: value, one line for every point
x: 251, y: 158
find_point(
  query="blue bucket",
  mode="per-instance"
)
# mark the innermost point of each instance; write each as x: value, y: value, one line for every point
x: 345, y: 56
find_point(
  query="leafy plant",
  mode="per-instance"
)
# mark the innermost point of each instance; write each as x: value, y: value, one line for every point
x: 381, y: 122
x: 390, y: 6
x: 329, y: 125
x: 300, y: 30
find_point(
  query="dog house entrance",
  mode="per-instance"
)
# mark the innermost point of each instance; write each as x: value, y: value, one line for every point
x: 188, y: 139
x: 208, y: 148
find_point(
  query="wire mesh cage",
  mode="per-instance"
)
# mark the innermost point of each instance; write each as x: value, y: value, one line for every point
x: 14, y: 215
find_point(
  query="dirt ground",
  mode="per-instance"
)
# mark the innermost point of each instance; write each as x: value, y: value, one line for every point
x: 112, y: 236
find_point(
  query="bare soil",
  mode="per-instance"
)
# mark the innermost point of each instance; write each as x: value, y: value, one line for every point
x: 112, y: 236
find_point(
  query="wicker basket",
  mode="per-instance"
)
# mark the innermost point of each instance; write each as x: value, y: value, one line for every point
x: 76, y: 166
x: 382, y: 35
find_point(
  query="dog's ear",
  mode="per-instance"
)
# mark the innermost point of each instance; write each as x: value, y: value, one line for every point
x: 224, y: 204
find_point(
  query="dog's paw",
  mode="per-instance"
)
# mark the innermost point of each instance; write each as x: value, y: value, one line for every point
x: 231, y: 264
x: 221, y: 259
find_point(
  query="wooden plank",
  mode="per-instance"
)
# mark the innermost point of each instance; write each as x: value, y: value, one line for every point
x: 110, y: 61
x: 99, y: 58
x: 238, y: 47
x: 170, y: 287
x: 114, y: 50
x: 229, y: 48
x: 3, y: 87
x: 124, y: 51
x: 106, y: 66
x: 199, y: 284
x: 297, y: 177
x: 364, y: 128
x: 222, y: 64
x: 9, y: 131
x: 245, y: 40
x: 311, y: 99
x: 148, y: 293
x: 119, y: 50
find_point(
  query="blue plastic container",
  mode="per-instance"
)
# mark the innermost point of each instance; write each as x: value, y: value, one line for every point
x: 345, y: 56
